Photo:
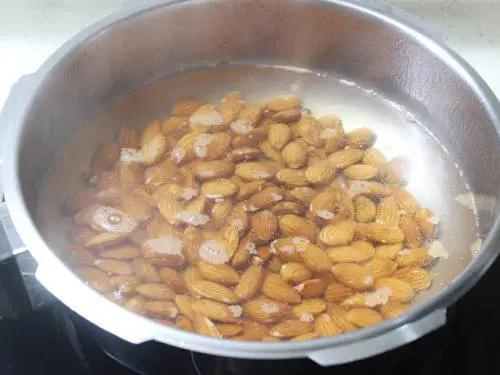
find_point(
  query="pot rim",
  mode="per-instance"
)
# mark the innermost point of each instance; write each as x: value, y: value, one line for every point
x: 51, y: 265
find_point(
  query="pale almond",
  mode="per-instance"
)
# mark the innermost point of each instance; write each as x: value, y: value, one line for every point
x: 265, y: 310
x: 353, y: 275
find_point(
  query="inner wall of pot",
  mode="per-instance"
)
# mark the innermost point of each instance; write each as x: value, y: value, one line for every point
x: 399, y: 134
x: 345, y: 44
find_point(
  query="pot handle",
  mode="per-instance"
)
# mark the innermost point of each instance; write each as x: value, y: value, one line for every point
x: 13, y: 102
x: 366, y: 348
x: 408, y: 18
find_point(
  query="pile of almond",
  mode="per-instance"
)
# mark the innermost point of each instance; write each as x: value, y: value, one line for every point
x: 252, y: 222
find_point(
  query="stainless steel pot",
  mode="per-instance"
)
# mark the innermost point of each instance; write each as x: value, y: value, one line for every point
x: 371, y: 45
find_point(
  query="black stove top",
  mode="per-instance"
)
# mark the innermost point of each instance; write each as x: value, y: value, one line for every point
x: 53, y: 340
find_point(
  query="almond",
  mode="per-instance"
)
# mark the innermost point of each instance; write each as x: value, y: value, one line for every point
x: 155, y: 291
x: 348, y: 254
x: 376, y: 158
x: 207, y: 119
x: 306, y: 336
x: 411, y: 231
x: 325, y: 326
x: 136, y: 305
x: 184, y: 323
x: 175, y: 126
x: 214, y: 310
x: 344, y: 158
x: 220, y: 211
x: 192, y: 275
x: 267, y: 310
x: 295, y: 272
x: 287, y: 116
x: 208, y: 170
x: 290, y: 328
x: 312, y: 306
x: 121, y: 253
x: 295, y: 155
x: 338, y: 234
x: 266, y: 198
x: 364, y: 317
x: 381, y: 267
x: 186, y: 107
x: 250, y: 114
x: 380, y: 233
x: 388, y: 252
x: 114, y: 266
x: 204, y: 326
x: 314, y: 258
x: 392, y: 310
x: 427, y: 222
x: 264, y: 225
x: 165, y: 309
x: 320, y: 172
x: 172, y: 279
x: 288, y: 208
x: 136, y: 207
x: 401, y: 291
x: 388, y: 212
x: 183, y: 303
x: 337, y: 292
x: 244, y: 154
x: 295, y: 226
x: 311, y: 288
x: 353, y: 275
x: 283, y: 103
x: 405, y: 200
x: 105, y: 239
x: 145, y: 271
x: 414, y: 257
x: 360, y: 138
x: 154, y: 149
x: 276, y: 288
x: 243, y: 253
x: 271, y: 153
x: 279, y: 135
x: 339, y: 316
x: 250, y: 139
x: 303, y: 195
x: 96, y: 278
x: 230, y: 109
x: 219, y: 273
x: 292, y: 177
x: 250, y: 282
x: 219, y: 188
x: 256, y: 170
x: 214, y: 291
x: 419, y: 278
x: 311, y: 131
x: 229, y: 330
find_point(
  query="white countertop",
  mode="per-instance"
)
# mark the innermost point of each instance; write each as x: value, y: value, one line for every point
x: 30, y: 30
